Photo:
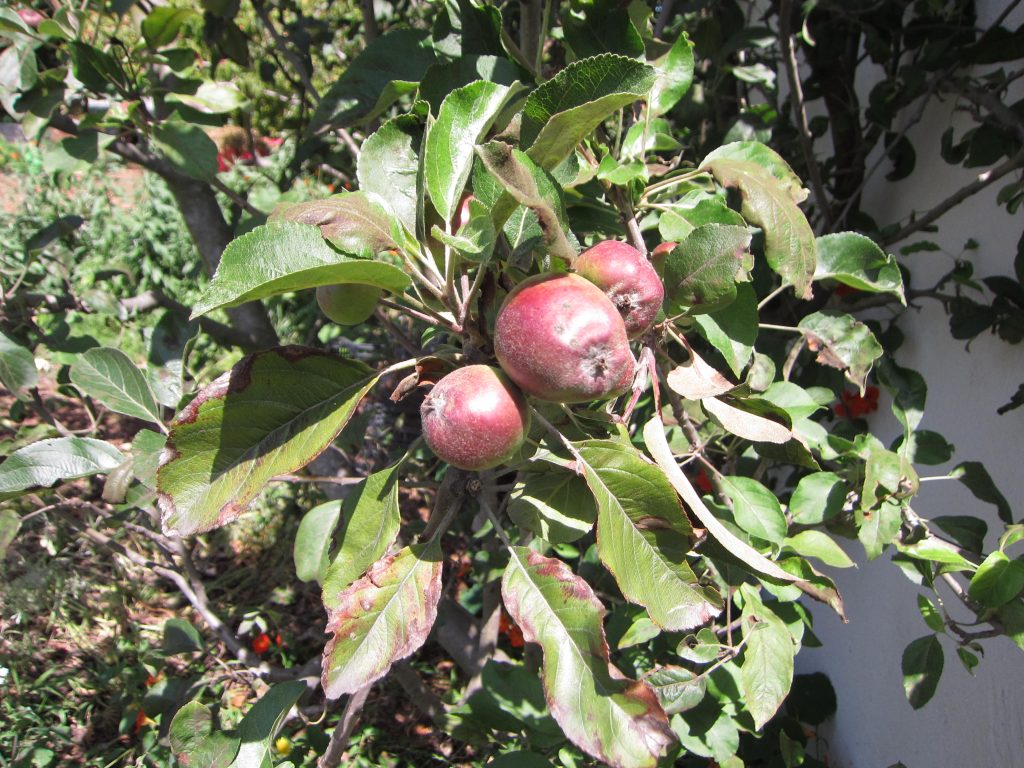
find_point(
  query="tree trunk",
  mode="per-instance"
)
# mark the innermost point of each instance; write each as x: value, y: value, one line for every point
x: 211, y: 234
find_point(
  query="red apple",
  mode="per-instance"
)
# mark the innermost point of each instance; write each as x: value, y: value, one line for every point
x: 561, y: 339
x: 628, y: 279
x: 474, y: 418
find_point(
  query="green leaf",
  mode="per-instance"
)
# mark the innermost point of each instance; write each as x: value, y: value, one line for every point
x: 213, y: 98
x: 603, y: 28
x: 146, y: 449
x: 181, y: 637
x: 60, y: 227
x: 997, y: 581
x: 553, y: 504
x: 675, y: 76
x: 263, y: 721
x: 475, y: 240
x: 930, y: 614
x: 10, y: 21
x: 842, y: 342
x: 856, y: 261
x: 767, y: 159
x: 531, y: 186
x: 927, y: 447
x: 876, y: 528
x: 677, y: 688
x: 616, y: 720
x: 767, y: 671
x: 388, y: 166
x: 108, y: 375
x: 59, y: 459
x: 797, y: 402
x: 757, y: 510
x: 283, y: 256
x: 465, y: 116
x: 937, y: 552
x: 371, y: 519
x: 818, y: 497
x: 187, y: 148
x: 643, y: 536
x: 381, y: 618
x: 820, y: 545
x: 169, y: 342
x: 701, y: 273
x: 733, y: 330
x: 567, y: 108
x: 978, y: 481
x: 353, y: 222
x: 389, y: 67
x: 443, y: 78
x: 909, y: 392
x: 312, y: 548
x: 94, y: 68
x: 969, y: 532
x: 922, y: 668
x: 195, y: 740
x: 10, y: 524
x: 769, y: 203
x: 162, y: 25
x: 17, y: 367
x: 272, y: 413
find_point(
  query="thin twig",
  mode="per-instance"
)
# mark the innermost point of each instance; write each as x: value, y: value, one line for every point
x: 335, y: 751
x: 282, y: 45
x: 796, y: 97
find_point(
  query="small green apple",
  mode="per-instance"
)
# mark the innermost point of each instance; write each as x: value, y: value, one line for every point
x: 349, y: 303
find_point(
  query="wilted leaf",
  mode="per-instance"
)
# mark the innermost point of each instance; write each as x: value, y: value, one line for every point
x: 842, y: 342
x: 381, y: 618
x: 272, y: 413
x: 613, y: 718
x: 695, y: 379
x: 747, y: 425
x: 643, y: 536
x: 284, y: 256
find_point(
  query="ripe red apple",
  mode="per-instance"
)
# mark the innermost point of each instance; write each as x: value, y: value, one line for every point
x: 474, y: 418
x: 561, y: 339
x: 349, y: 303
x: 629, y: 280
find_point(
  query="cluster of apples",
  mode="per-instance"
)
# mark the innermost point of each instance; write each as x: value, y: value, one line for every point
x: 559, y: 337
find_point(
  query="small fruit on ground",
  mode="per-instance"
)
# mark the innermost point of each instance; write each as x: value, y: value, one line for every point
x: 475, y: 418
x: 628, y: 279
x: 348, y: 304
x: 561, y: 339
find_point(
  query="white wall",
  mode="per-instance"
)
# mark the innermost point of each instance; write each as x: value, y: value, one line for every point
x: 972, y: 721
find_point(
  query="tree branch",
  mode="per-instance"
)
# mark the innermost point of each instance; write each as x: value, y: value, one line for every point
x: 982, y: 181
x: 332, y: 756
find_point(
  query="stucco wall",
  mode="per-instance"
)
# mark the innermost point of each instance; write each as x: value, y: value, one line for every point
x: 972, y: 721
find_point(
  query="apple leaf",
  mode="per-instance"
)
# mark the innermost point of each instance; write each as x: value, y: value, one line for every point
x: 187, y: 148
x: 17, y: 367
x: 162, y: 25
x: 678, y: 689
x: 818, y: 497
x: 284, y: 256
x: 856, y: 261
x: 767, y: 158
x: 675, y: 76
x: 744, y: 424
x: 195, y: 739
x: 922, y: 667
x: 842, y: 342
x: 603, y: 29
x: 820, y: 545
x: 10, y: 524
x: 312, y: 548
x: 465, y: 116
x: 616, y: 720
x: 371, y: 519
x: 553, y: 504
x: 643, y: 536
x: 262, y: 722
x: 388, y: 166
x: 272, y: 413
x: 43, y: 463
x: 701, y: 272
x: 381, y: 618
x: 389, y: 67
x: 354, y: 222
x: 108, y: 375
x: 756, y: 509
x: 997, y: 581
x: 695, y: 379
x: 567, y: 108
x: 979, y: 482
x: 732, y: 330
x: 767, y: 671
x: 769, y: 203
x: 532, y: 187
